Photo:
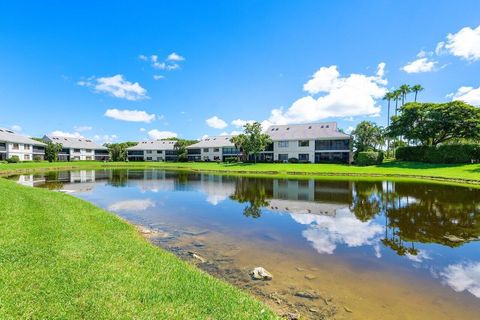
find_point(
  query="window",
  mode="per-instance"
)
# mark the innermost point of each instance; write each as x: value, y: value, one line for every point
x: 89, y: 150
x: 159, y: 151
x: 205, y: 149
x: 76, y: 150
x: 26, y: 147
x: 216, y: 150
x: 88, y: 158
x: 303, y: 143
x: 283, y: 144
x: 149, y: 151
x: 26, y: 157
x: 303, y: 157
x: 283, y: 157
x: 149, y: 158
x: 15, y: 146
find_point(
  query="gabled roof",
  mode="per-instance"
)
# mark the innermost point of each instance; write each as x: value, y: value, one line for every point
x: 74, y: 143
x: 308, y: 131
x: 155, y: 145
x: 10, y: 136
x: 213, y: 142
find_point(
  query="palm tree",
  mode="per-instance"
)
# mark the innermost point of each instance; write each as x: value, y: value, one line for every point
x: 238, y: 142
x: 404, y: 90
x: 389, y: 96
x: 396, y: 96
x: 417, y: 88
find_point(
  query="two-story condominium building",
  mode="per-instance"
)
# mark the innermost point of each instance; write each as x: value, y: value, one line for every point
x: 26, y: 149
x: 314, y: 142
x: 155, y: 150
x: 213, y: 149
x: 74, y: 149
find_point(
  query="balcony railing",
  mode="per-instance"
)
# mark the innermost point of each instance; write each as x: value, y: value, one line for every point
x: 332, y: 145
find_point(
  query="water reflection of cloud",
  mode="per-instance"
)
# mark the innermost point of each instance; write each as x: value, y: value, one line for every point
x: 326, y: 232
x: 463, y: 276
x: 419, y: 257
x: 132, y: 205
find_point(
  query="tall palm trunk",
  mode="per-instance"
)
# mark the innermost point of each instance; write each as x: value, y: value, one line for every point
x: 388, y: 125
x: 416, y: 96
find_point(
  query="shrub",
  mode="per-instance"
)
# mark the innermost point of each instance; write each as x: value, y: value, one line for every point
x: 369, y: 158
x: 293, y: 160
x: 37, y: 158
x: 231, y: 159
x: 449, y: 153
x: 13, y: 159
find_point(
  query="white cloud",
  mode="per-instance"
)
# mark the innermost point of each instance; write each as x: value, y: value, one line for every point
x: 157, y: 134
x: 216, y: 122
x: 143, y: 57
x: 59, y: 133
x: 130, y: 115
x: 239, y: 123
x: 464, y: 44
x: 82, y: 128
x: 16, y: 128
x: 463, y: 276
x: 143, y: 129
x: 467, y: 94
x: 158, y: 77
x: 233, y: 133
x: 349, y: 130
x: 132, y: 205
x: 420, y: 65
x: 175, y: 57
x: 354, y: 95
x: 117, y: 86
x: 159, y: 65
x: 105, y: 138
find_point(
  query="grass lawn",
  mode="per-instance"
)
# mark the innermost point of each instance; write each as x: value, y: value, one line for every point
x: 462, y: 173
x: 63, y: 258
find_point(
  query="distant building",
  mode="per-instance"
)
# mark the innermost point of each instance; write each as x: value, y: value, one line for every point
x: 78, y: 149
x: 155, y: 150
x: 217, y: 148
x: 13, y: 144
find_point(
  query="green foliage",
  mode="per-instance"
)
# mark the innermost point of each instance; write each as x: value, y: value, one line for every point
x: 181, y: 148
x: 52, y: 150
x: 118, y: 151
x: 448, y: 153
x: 13, y: 159
x: 292, y: 160
x: 434, y: 123
x: 369, y: 158
x: 37, y: 158
x: 367, y: 136
x: 253, y: 140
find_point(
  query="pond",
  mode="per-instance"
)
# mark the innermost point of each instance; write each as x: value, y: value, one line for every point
x: 346, y: 248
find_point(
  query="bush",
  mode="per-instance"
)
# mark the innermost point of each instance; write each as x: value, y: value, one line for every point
x: 369, y: 158
x: 449, y: 153
x: 37, y: 158
x: 293, y: 160
x: 231, y: 160
x: 13, y: 159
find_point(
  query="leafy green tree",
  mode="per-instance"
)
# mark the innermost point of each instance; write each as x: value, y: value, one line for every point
x: 434, y: 123
x: 52, y: 150
x: 118, y: 151
x: 417, y: 88
x: 181, y: 148
x: 404, y: 90
x: 239, y: 143
x: 254, y: 140
x: 367, y: 136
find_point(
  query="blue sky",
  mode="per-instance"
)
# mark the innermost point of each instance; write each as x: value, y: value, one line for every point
x: 102, y: 69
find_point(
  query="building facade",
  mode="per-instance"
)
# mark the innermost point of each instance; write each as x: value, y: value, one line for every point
x: 26, y: 149
x: 217, y: 148
x: 79, y: 149
x: 160, y: 150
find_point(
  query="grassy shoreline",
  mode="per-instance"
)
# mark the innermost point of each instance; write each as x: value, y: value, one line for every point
x: 62, y: 257
x: 465, y: 174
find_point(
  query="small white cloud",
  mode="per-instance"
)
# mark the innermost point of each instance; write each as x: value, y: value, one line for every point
x: 105, y: 138
x: 143, y: 129
x: 59, y: 133
x: 130, y: 115
x: 159, y: 65
x: 233, y: 133
x: 464, y: 44
x: 16, y: 128
x: 420, y: 65
x: 349, y: 130
x: 469, y: 95
x: 158, y: 77
x: 157, y: 134
x: 173, y: 66
x: 239, y: 123
x: 117, y: 86
x: 143, y: 57
x: 175, y: 57
x: 132, y: 205
x: 216, y: 122
x: 463, y: 277
x: 82, y: 128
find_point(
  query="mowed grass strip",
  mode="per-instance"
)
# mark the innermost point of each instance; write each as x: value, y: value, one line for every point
x: 63, y: 258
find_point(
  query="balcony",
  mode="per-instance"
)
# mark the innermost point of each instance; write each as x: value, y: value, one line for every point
x: 332, y: 145
x: 194, y: 151
x: 38, y: 150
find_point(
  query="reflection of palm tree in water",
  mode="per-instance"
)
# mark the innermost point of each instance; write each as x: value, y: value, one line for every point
x: 254, y: 192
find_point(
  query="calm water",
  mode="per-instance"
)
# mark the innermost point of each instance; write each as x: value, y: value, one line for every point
x: 375, y: 250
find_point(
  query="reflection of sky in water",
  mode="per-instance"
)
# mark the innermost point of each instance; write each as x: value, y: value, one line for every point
x: 344, y: 219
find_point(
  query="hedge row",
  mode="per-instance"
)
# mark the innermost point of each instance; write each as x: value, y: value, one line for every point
x: 369, y: 158
x: 450, y: 153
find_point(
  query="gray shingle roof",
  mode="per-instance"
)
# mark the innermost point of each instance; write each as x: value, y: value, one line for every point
x: 10, y: 136
x: 154, y: 145
x: 308, y: 131
x: 74, y: 143
x: 213, y: 142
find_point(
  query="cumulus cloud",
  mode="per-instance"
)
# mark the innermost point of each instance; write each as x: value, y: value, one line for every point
x: 59, y: 133
x: 157, y: 134
x: 464, y: 44
x: 353, y: 95
x: 170, y: 63
x: 143, y: 129
x: 82, y: 128
x: 463, y: 277
x: 158, y: 77
x: 239, y: 123
x: 233, y: 133
x: 106, y: 138
x: 116, y: 86
x: 420, y: 65
x: 130, y: 115
x: 216, y: 122
x: 467, y: 94
x: 132, y: 205
x: 175, y: 57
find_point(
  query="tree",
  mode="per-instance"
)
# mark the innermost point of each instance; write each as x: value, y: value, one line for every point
x: 181, y: 148
x: 396, y: 96
x: 434, y: 123
x: 417, y: 88
x: 367, y: 136
x: 404, y: 90
x: 118, y: 151
x: 52, y: 150
x: 239, y: 143
x: 254, y: 140
x: 389, y: 96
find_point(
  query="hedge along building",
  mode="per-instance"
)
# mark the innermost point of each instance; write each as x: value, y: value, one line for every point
x: 154, y: 150
x: 78, y: 149
x: 26, y: 149
x: 218, y: 148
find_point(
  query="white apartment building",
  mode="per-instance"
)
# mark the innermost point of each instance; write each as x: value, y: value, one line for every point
x: 216, y: 148
x: 155, y: 150
x: 78, y: 149
x: 13, y: 144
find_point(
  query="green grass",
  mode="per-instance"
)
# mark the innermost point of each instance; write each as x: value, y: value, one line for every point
x: 464, y: 173
x: 63, y: 258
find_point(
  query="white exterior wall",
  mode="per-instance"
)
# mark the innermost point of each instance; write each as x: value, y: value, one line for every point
x: 82, y: 155
x: 156, y: 155
x: 211, y: 154
x: 22, y: 153
x: 293, y: 150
